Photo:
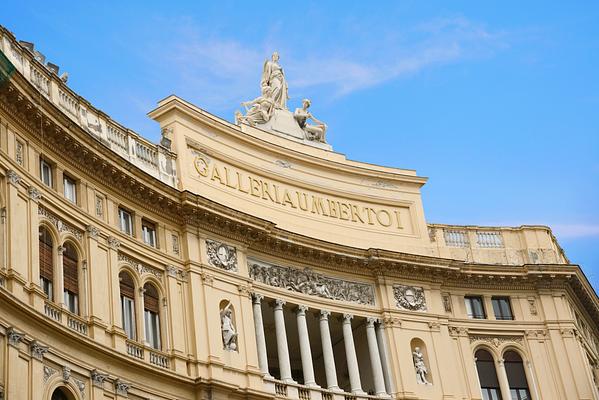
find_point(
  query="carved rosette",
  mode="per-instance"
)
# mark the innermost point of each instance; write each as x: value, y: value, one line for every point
x: 312, y: 283
x: 409, y: 297
x: 222, y: 255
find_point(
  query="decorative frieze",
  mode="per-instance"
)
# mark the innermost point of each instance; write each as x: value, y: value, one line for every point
x: 456, y: 331
x: 409, y: 297
x: 313, y: 283
x: 222, y: 255
x: 496, y: 341
x: 48, y: 372
x: 14, y: 337
x: 121, y: 387
x: 139, y: 266
x: 38, y: 350
x: 98, y: 378
x: 60, y: 225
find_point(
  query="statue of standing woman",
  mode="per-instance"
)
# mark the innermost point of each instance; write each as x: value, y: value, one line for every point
x: 274, y: 78
x: 227, y: 329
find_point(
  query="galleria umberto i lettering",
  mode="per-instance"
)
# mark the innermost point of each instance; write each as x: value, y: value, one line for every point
x: 249, y: 260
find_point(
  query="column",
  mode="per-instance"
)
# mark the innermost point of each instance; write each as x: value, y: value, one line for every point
x: 260, y: 339
x: 59, y: 278
x: 375, y: 358
x: 350, y: 354
x: 282, y: 348
x: 504, y: 385
x: 305, y: 351
x: 383, y: 352
x: 327, y: 351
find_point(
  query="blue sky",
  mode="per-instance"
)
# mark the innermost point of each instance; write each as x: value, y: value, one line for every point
x: 497, y: 103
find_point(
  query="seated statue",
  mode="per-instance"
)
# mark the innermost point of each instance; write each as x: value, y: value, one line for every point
x: 258, y: 111
x: 313, y: 132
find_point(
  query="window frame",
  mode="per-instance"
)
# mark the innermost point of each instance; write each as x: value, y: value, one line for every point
x: 470, y: 312
x: 50, y: 168
x: 152, y: 232
x: 501, y: 316
x: 71, y: 181
x: 121, y: 211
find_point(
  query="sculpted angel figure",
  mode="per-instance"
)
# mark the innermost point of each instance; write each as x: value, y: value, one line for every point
x: 274, y: 78
x: 259, y: 110
x: 420, y: 367
x: 313, y: 132
x: 228, y: 330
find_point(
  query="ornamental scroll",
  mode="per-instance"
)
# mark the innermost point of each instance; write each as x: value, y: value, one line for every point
x: 409, y: 297
x: 313, y: 283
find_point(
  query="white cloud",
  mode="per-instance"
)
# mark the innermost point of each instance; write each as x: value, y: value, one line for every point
x: 223, y: 71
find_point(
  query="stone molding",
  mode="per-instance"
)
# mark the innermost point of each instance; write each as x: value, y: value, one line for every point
x: 222, y: 255
x: 496, y: 341
x: 60, y: 225
x: 307, y: 281
x: 409, y: 297
x: 140, y: 267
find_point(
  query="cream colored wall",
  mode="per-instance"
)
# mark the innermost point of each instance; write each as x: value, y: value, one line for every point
x: 192, y: 290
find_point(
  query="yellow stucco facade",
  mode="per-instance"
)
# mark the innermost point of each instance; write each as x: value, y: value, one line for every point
x: 229, y: 263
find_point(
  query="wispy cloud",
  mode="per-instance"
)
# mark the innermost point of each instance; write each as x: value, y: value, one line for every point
x: 223, y: 70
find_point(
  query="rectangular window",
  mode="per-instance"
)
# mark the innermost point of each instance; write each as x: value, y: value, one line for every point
x: 491, y: 394
x: 126, y: 221
x: 70, y: 189
x: 474, y: 307
x: 71, y: 301
x: 46, y: 285
x: 46, y: 173
x: 152, y: 329
x: 148, y: 232
x: 502, y: 308
x: 128, y: 308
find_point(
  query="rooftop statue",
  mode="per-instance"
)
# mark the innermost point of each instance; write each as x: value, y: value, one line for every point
x: 269, y: 110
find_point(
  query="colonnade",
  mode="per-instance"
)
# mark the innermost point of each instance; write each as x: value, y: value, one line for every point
x: 375, y: 337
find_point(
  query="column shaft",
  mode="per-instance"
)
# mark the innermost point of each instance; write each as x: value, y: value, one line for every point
x: 375, y: 358
x: 382, y: 343
x: 260, y: 338
x: 305, y: 351
x: 350, y: 354
x: 327, y: 351
x: 504, y: 385
x: 282, y: 348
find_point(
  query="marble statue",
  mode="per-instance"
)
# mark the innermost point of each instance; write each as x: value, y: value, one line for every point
x: 313, y: 132
x: 420, y: 367
x: 274, y: 79
x: 228, y: 329
x: 259, y: 110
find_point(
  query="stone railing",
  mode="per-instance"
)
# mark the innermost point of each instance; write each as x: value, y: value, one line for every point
x: 158, y: 359
x: 296, y: 391
x: 156, y: 160
x: 528, y: 244
x: 52, y: 311
x: 76, y: 323
x: 135, y: 350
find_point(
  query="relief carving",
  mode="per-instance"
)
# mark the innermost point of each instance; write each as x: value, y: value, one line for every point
x: 48, y: 372
x: 60, y: 224
x: 409, y: 297
x: 496, y: 341
x: 222, y: 255
x: 313, y: 283
x: 140, y: 267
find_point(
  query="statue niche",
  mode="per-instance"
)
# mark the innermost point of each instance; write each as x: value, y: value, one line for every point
x: 227, y: 326
x: 269, y: 110
x: 419, y: 357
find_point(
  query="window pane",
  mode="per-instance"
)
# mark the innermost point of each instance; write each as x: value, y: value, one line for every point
x: 70, y: 189
x: 128, y: 310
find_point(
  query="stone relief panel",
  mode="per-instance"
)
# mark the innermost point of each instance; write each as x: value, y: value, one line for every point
x: 221, y: 255
x: 496, y: 341
x: 313, y: 283
x: 140, y: 267
x: 409, y: 297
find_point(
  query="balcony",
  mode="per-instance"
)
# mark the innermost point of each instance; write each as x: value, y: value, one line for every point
x: 496, y: 245
x: 147, y: 354
x: 295, y: 391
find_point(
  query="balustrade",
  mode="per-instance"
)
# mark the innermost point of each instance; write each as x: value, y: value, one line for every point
x: 456, y: 238
x: 77, y: 324
x: 135, y: 350
x: 52, y: 311
x: 158, y: 359
x: 489, y: 239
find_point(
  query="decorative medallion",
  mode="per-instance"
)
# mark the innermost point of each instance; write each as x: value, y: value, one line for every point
x: 313, y: 283
x: 222, y: 255
x: 409, y: 297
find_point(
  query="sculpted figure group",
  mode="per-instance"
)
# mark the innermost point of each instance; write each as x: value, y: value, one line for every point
x: 274, y: 96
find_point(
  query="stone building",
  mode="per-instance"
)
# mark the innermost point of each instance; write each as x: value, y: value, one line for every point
x: 250, y: 261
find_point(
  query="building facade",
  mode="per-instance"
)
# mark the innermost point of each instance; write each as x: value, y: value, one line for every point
x: 231, y: 262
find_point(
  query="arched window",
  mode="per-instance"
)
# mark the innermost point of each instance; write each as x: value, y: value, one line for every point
x: 127, y: 289
x: 61, y: 394
x: 487, y: 375
x: 70, y: 268
x: 46, y: 262
x: 516, y: 376
x: 152, y: 315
